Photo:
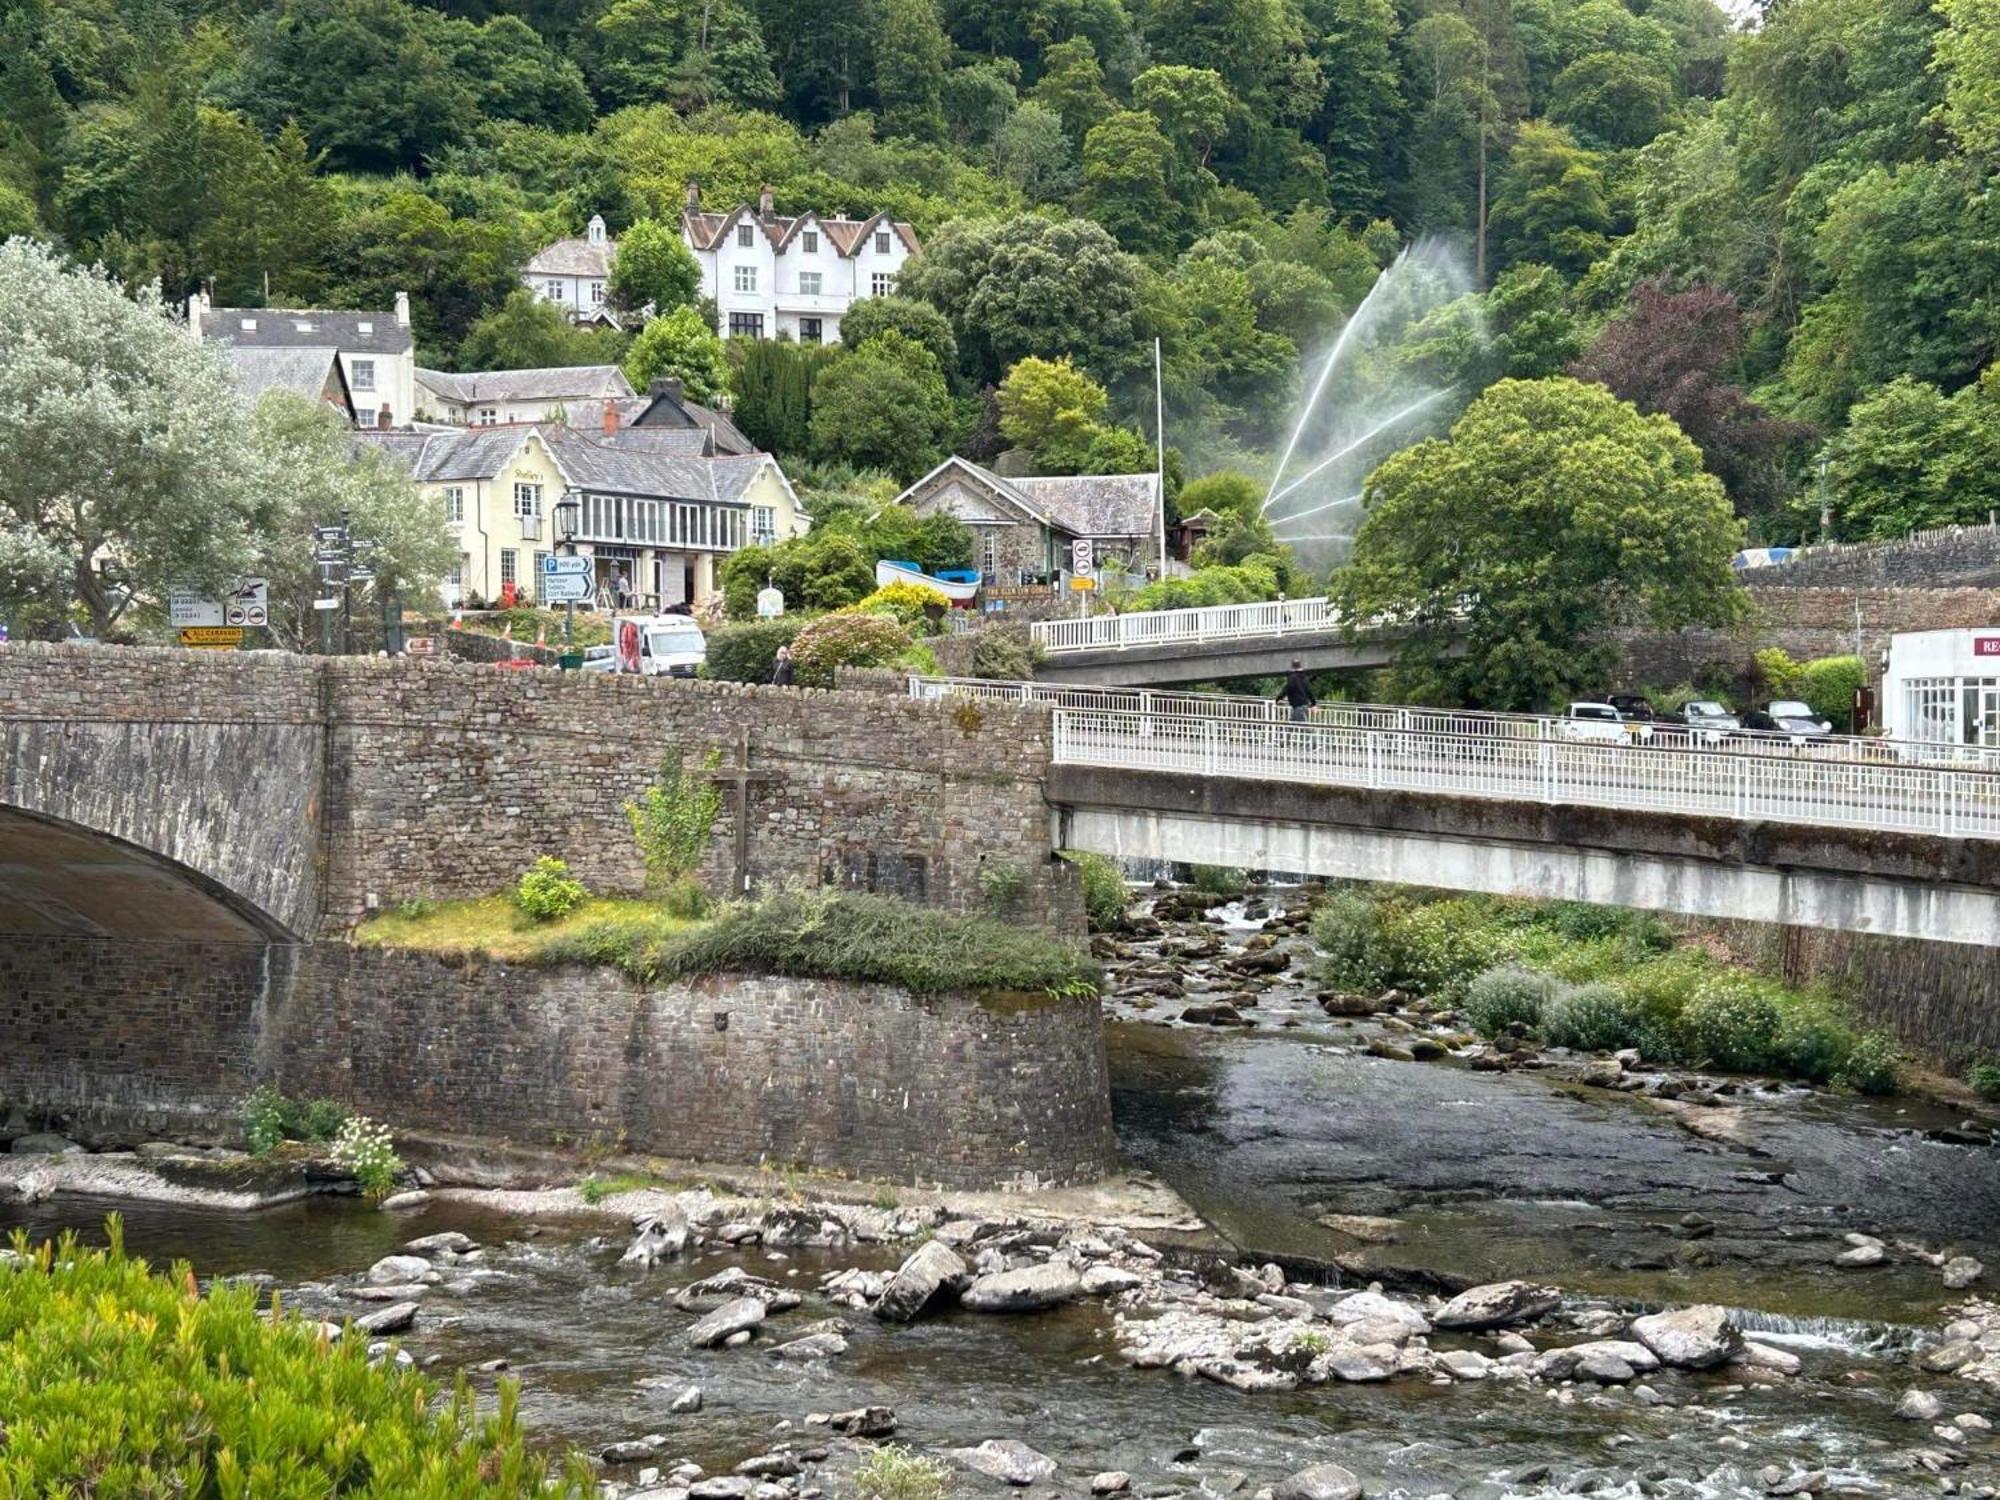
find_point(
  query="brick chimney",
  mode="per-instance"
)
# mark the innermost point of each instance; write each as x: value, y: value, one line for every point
x: 197, y: 305
x: 403, y: 308
x: 610, y: 416
x: 665, y: 385
x: 693, y: 199
x: 767, y: 202
x: 384, y: 420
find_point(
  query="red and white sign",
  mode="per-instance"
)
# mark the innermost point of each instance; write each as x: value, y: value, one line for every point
x: 1986, y: 645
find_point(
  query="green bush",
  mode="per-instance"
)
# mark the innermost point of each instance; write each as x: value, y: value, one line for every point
x: 117, y: 1381
x: 1104, y: 895
x: 683, y: 899
x: 367, y: 1150
x: 847, y: 639
x: 547, y: 890
x: 1874, y: 1066
x: 1733, y: 1022
x: 1828, y: 685
x: 671, y: 820
x: 1985, y: 1080
x: 747, y: 650
x: 1590, y: 1018
x: 1218, y: 880
x: 1813, y: 1042
x: 1001, y: 885
x: 1440, y: 946
x: 1348, y: 930
x: 898, y: 1473
x: 1506, y: 996
x: 846, y: 935
x: 269, y: 1117
x: 1007, y: 652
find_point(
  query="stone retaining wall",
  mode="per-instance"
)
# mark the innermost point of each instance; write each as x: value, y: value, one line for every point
x: 1945, y: 558
x: 132, y: 1039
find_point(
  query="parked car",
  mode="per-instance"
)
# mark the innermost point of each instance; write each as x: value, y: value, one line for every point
x: 667, y: 645
x: 1796, y: 718
x: 1600, y: 723
x: 1633, y: 706
x: 1708, y: 722
x: 599, y: 659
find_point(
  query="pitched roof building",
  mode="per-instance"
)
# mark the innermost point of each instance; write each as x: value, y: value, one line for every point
x: 1023, y: 526
x: 313, y: 373
x: 377, y: 351
x: 489, y: 397
x: 576, y: 274
x: 791, y: 276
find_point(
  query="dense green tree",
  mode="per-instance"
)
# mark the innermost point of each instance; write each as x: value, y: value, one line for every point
x: 978, y: 99
x: 1227, y: 492
x: 884, y: 405
x: 681, y: 345
x: 1072, y: 85
x: 689, y: 53
x: 514, y: 76
x: 1553, y: 512
x: 1053, y: 410
x: 526, y: 333
x: 1030, y: 285
x: 1551, y: 205
x: 918, y: 321
x: 1968, y: 53
x: 1128, y: 173
x: 773, y: 390
x: 1613, y: 98
x: 404, y: 240
x: 1912, y: 457
x: 911, y: 52
x: 1534, y: 334
x: 1258, y: 46
x: 653, y: 269
x: 1359, y: 116
x: 819, y: 53
x: 1192, y: 106
x: 1032, y: 151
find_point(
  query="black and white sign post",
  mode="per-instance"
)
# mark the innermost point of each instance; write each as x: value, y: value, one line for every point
x: 343, y: 561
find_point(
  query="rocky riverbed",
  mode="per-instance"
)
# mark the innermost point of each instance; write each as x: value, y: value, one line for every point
x: 1531, y: 1279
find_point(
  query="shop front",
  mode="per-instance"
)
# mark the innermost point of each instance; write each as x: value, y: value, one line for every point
x: 1942, y: 687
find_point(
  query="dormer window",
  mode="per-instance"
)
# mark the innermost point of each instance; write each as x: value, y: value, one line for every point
x: 364, y: 327
x: 248, y: 325
x: 745, y: 236
x: 809, y: 242
x: 596, y: 229
x: 303, y: 325
x: 881, y: 242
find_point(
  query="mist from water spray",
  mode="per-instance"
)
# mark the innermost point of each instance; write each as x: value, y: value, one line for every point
x: 1371, y: 397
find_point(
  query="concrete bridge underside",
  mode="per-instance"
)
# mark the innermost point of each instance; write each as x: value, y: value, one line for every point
x: 1853, y: 880
x: 1216, y: 660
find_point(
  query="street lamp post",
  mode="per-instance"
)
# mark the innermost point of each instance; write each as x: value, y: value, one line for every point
x: 568, y: 509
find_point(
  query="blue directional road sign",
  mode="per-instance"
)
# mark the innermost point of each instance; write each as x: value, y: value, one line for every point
x: 554, y: 565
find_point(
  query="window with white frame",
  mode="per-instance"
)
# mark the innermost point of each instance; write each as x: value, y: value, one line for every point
x: 745, y: 236
x: 746, y: 278
x: 763, y: 525
x: 809, y: 283
x: 882, y: 284
x: 553, y: 290
x: 488, y: 415
x: 539, y: 574
x: 454, y: 504
x: 507, y: 565
x: 363, y: 371
x: 991, y: 557
x: 596, y: 293
x: 881, y: 242
x: 809, y: 242
x: 527, y: 500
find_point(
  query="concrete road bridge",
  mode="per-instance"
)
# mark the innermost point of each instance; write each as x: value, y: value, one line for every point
x: 1161, y: 647
x: 1854, y: 834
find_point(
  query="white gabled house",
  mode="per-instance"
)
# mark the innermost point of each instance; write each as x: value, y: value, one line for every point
x: 576, y: 274
x: 377, y: 355
x: 795, y: 278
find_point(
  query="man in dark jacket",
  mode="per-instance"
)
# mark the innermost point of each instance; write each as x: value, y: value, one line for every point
x: 1297, y: 692
x: 781, y: 668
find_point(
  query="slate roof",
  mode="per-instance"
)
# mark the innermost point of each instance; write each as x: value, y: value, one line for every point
x: 573, y: 258
x: 442, y: 457
x: 304, y: 372
x: 846, y: 235
x: 596, y: 465
x: 675, y: 442
x: 306, y: 328
x: 1096, y: 504
x: 559, y: 383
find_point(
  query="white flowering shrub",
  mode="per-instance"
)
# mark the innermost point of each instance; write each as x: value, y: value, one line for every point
x: 366, y: 1149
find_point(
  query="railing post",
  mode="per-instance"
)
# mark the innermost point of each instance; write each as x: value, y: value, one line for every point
x: 1547, y: 758
x: 1372, y: 752
x: 1739, y: 800
x: 1207, y: 747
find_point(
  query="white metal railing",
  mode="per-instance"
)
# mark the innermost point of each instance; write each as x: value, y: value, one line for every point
x: 1845, y: 794
x: 1838, y: 748
x: 1158, y: 627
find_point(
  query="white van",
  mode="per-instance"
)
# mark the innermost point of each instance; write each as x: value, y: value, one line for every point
x: 665, y: 645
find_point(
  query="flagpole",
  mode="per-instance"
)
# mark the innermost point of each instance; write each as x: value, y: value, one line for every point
x: 1160, y: 450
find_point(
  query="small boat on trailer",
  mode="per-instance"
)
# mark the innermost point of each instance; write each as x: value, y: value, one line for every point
x: 959, y: 585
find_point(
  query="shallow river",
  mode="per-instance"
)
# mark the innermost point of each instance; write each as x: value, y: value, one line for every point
x: 1264, y: 1130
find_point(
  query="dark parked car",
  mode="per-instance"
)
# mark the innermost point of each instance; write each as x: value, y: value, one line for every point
x: 1634, y: 707
x: 1708, y: 721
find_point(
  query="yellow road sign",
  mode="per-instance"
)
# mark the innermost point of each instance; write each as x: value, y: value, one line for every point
x: 212, y: 637
x: 1081, y: 584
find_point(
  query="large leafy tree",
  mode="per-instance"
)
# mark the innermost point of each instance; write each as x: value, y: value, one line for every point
x: 911, y: 51
x: 1128, y: 175
x: 1675, y: 352
x: 872, y: 317
x: 126, y: 445
x: 883, y: 405
x: 1552, y: 205
x: 1030, y: 285
x: 689, y: 53
x: 1913, y: 457
x: 526, y: 333
x: 654, y: 269
x: 1553, y: 513
x: 683, y: 346
x: 314, y: 477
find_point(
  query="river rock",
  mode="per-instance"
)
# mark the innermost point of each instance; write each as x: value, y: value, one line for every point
x: 1320, y: 1482
x: 1497, y: 1305
x: 1110, y: 1482
x: 1349, y: 1005
x: 1219, y: 1014
x: 1860, y: 1257
x: 1005, y: 1459
x: 410, y: 1198
x: 1919, y: 1406
x: 812, y: 1346
x: 1030, y: 1289
x: 657, y: 1238
x: 1777, y: 1481
x: 45, y: 1143
x: 1466, y: 1364
x: 1607, y: 1361
x: 931, y: 1275
x: 1359, y: 1363
x: 1365, y: 1307
x: 1949, y: 1357
x: 728, y: 1320
x: 1109, y: 1281
x: 722, y: 1487
x: 688, y: 1401
x: 1692, y: 1338
x: 1961, y: 1271
x: 1755, y: 1356
x: 450, y: 1240
x: 391, y: 1319
x: 393, y: 1268
x: 634, y: 1450
x: 771, y: 1466
x: 864, y: 1421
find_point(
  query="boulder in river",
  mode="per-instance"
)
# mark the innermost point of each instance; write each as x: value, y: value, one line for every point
x: 45, y: 1143
x: 657, y: 1238
x: 732, y: 1318
x: 1219, y: 1014
x: 1030, y: 1289
x: 395, y: 1268
x: 931, y: 1275
x: 1693, y: 1338
x: 1007, y: 1460
x: 1110, y: 1482
x: 391, y: 1319
x: 1320, y: 1482
x: 1961, y: 1271
x: 865, y: 1421
x: 1497, y: 1305
x: 1919, y: 1406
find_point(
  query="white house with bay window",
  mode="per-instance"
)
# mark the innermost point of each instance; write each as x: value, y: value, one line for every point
x: 791, y: 277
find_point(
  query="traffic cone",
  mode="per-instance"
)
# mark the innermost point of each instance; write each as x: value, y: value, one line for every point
x: 507, y: 631
x: 542, y: 634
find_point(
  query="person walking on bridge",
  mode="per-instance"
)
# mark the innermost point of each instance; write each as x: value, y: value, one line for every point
x: 1298, y: 692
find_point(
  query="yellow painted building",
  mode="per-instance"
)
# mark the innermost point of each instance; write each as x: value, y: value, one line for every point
x: 660, y: 521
